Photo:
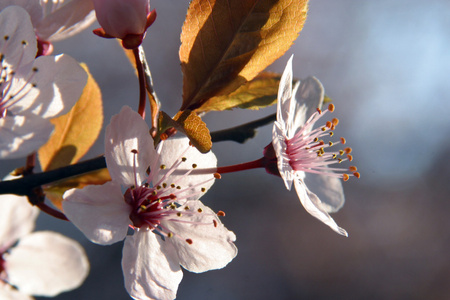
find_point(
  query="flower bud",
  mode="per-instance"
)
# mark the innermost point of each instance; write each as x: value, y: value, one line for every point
x: 124, y: 19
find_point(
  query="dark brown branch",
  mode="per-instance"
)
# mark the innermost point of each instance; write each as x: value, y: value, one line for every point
x: 241, y: 133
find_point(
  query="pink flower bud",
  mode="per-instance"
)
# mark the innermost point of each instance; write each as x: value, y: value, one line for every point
x: 124, y: 19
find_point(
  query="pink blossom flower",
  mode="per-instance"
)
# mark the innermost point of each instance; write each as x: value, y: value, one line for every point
x: 55, y: 20
x: 154, y: 193
x: 31, y: 90
x: 42, y: 263
x: 300, y: 149
x: 127, y: 20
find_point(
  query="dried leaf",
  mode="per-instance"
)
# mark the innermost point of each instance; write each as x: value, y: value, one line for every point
x: 226, y: 43
x: 76, y: 131
x: 55, y: 191
x: 195, y: 129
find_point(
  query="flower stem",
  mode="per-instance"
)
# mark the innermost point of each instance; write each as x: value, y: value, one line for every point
x: 51, y: 211
x: 259, y: 163
x: 142, y: 89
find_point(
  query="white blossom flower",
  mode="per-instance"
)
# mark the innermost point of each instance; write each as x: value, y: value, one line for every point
x: 42, y: 263
x: 153, y: 192
x: 31, y: 90
x: 299, y: 148
x: 54, y: 20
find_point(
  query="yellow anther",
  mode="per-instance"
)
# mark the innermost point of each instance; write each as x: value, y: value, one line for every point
x: 200, y: 210
x: 170, y: 234
x: 194, y: 166
x: 331, y: 133
x: 162, y: 167
x: 183, y: 158
x: 330, y: 144
x: 179, y: 214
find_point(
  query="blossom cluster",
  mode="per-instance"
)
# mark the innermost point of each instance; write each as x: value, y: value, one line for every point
x: 150, y: 200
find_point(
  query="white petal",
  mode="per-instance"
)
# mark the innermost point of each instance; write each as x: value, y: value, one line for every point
x: 279, y: 145
x: 285, y: 94
x: 66, y: 21
x: 99, y: 211
x: 315, y: 207
x: 59, y: 83
x: 150, y: 268
x: 17, y: 219
x: 15, y: 23
x: 31, y: 6
x: 309, y: 98
x: 212, y: 245
x: 22, y: 135
x: 46, y: 263
x: 171, y: 151
x: 329, y: 190
x: 7, y: 292
x: 127, y: 131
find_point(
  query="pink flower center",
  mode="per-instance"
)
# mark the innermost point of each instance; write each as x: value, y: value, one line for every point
x: 12, y: 88
x: 155, y: 203
x: 308, y: 152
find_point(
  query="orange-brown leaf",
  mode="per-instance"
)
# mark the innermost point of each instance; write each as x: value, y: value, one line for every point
x: 195, y: 129
x: 225, y: 43
x: 258, y: 93
x: 76, y: 131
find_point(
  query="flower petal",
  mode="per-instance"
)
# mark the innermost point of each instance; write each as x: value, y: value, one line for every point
x: 315, y: 207
x: 20, y: 47
x: 59, y: 82
x: 68, y: 19
x: 172, y: 149
x: 279, y: 146
x: 285, y: 95
x: 99, y: 211
x: 329, y: 190
x: 22, y: 135
x: 32, y: 7
x: 46, y: 263
x: 309, y: 98
x: 150, y: 267
x: 7, y: 292
x: 210, y: 244
x: 17, y: 219
x: 126, y: 132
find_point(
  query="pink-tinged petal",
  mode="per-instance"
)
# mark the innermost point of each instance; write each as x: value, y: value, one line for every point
x: 59, y: 81
x: 99, y: 211
x: 201, y: 240
x: 70, y: 18
x: 17, y: 219
x: 46, y: 263
x: 150, y: 267
x: 18, y: 44
x: 328, y: 189
x: 7, y: 292
x: 315, y: 207
x: 285, y: 95
x: 309, y: 97
x: 22, y: 135
x: 173, y: 149
x: 32, y: 7
x: 126, y: 132
x: 122, y: 17
x: 279, y: 145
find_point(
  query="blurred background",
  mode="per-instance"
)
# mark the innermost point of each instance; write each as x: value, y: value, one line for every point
x: 386, y: 66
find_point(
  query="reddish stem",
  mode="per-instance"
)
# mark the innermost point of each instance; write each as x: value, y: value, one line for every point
x: 259, y: 163
x: 51, y: 211
x: 141, y: 77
